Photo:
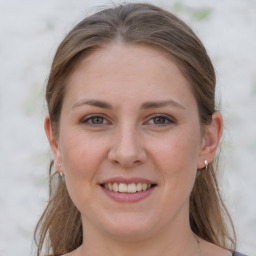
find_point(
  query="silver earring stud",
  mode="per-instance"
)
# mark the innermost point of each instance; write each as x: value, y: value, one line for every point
x: 62, y: 176
x: 60, y: 173
x: 206, y: 164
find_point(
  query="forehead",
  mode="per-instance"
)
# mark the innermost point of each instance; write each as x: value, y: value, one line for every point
x: 134, y: 72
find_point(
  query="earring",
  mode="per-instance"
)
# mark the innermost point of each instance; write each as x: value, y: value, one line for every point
x: 60, y: 173
x: 206, y: 164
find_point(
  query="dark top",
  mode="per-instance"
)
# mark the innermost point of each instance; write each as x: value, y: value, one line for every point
x: 238, y: 254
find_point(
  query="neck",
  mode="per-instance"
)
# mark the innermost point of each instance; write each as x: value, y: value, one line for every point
x: 178, y: 241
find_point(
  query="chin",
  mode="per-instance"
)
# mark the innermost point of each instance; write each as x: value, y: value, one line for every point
x: 129, y: 227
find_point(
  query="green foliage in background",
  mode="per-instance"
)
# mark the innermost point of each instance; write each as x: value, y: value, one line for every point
x: 34, y: 100
x: 195, y: 14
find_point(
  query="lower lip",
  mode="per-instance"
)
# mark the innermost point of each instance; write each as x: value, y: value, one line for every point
x: 128, y: 197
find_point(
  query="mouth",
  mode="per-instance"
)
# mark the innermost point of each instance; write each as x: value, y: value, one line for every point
x: 129, y: 188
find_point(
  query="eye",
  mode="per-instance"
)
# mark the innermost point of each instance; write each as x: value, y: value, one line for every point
x: 160, y: 120
x: 95, y: 120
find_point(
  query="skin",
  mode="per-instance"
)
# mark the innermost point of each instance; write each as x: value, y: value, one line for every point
x: 128, y: 140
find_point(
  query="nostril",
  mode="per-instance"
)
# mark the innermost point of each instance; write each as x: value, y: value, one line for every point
x: 127, y: 152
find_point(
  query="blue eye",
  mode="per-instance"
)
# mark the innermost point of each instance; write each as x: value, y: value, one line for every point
x: 160, y: 120
x: 95, y: 120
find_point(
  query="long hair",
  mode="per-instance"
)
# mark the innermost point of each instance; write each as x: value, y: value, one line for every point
x: 59, y: 229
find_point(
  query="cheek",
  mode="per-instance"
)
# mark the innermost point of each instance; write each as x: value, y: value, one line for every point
x: 178, y: 152
x: 82, y: 157
x: 80, y: 154
x: 176, y: 158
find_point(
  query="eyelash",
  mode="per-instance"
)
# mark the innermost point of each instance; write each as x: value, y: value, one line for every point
x: 88, y: 120
x: 168, y: 120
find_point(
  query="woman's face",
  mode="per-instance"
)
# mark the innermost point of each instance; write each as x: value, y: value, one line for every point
x: 129, y: 123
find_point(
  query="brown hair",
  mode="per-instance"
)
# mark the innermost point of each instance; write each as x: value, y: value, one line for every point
x: 60, y: 226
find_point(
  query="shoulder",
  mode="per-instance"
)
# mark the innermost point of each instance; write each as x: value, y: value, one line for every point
x: 73, y: 253
x: 235, y: 253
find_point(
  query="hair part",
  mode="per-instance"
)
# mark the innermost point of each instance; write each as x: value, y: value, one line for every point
x: 60, y: 226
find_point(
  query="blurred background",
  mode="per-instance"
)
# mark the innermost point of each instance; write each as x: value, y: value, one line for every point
x: 30, y: 31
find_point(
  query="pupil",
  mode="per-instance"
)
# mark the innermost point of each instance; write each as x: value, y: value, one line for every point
x: 160, y: 120
x: 97, y: 120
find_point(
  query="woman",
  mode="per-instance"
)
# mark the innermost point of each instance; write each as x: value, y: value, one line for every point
x: 133, y: 129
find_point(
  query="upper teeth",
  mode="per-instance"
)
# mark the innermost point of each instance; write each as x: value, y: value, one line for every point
x: 127, y: 188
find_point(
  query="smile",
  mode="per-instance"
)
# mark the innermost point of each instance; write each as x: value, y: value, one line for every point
x: 127, y: 188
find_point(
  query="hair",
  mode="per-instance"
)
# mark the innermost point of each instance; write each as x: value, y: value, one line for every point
x: 59, y: 229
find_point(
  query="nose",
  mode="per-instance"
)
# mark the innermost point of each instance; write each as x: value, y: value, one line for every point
x: 127, y: 148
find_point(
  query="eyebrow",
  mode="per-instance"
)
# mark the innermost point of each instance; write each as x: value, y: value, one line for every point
x: 145, y: 105
x: 163, y: 103
x: 95, y: 103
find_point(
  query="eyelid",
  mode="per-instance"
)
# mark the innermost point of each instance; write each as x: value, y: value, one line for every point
x: 170, y: 119
x: 90, y: 117
x: 85, y: 120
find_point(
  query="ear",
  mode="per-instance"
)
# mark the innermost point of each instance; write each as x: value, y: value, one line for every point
x: 53, y: 142
x: 210, y: 142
